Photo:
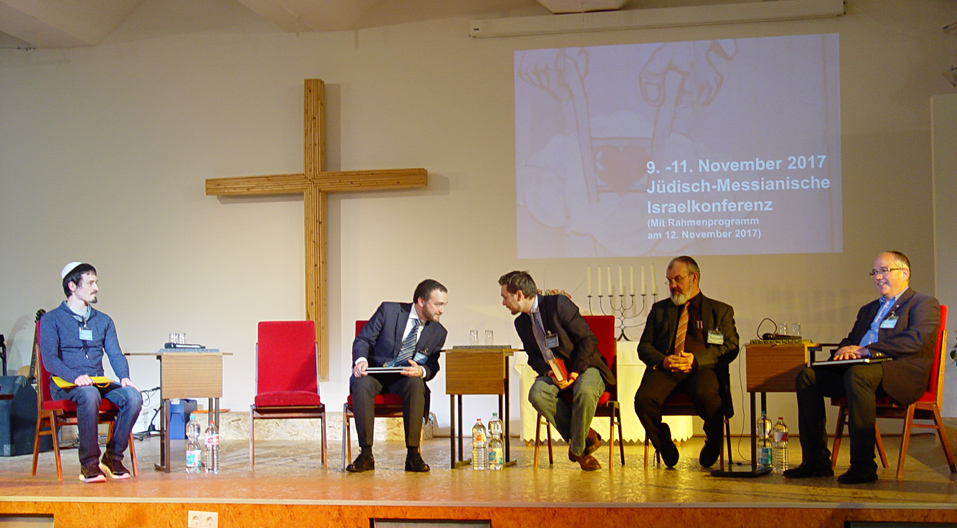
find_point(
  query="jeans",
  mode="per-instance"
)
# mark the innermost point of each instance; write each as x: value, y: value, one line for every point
x: 572, y: 422
x: 88, y: 399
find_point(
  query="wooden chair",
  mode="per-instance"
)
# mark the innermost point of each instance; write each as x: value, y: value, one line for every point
x: 926, y: 408
x: 53, y: 414
x: 287, y: 378
x: 386, y: 406
x: 603, y: 326
x: 679, y: 404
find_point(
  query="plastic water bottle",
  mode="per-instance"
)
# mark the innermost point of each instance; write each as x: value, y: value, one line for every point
x: 779, y: 446
x: 496, y: 427
x: 211, y: 453
x: 479, y: 446
x: 194, y: 452
x: 763, y: 426
x: 496, y: 444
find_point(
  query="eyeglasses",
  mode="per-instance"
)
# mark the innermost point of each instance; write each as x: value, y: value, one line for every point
x: 883, y: 271
x: 675, y: 280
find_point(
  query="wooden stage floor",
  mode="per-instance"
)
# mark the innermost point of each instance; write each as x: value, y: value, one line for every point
x: 289, y: 488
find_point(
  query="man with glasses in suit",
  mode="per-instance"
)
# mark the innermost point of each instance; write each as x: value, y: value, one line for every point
x: 901, y: 324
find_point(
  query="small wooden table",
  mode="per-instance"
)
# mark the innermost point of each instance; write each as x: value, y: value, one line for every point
x: 772, y: 367
x: 184, y: 374
x: 477, y: 370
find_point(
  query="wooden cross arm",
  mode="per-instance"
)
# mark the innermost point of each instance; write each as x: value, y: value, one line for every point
x: 277, y: 184
x: 326, y: 182
x: 371, y: 180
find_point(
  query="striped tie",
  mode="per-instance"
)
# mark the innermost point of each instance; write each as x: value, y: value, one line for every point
x: 682, y: 330
x: 408, y: 345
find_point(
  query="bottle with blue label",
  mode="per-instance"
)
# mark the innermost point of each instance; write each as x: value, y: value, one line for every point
x: 194, y: 452
x: 763, y: 427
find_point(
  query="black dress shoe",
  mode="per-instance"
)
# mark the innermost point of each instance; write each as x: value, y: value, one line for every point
x: 361, y: 463
x: 415, y: 464
x: 808, y: 470
x: 857, y: 475
x: 668, y: 450
x: 709, y: 453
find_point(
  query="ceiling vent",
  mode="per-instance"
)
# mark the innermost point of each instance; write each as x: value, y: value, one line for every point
x: 581, y: 6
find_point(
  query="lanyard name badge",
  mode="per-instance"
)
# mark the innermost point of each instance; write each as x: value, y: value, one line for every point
x: 551, y: 340
x: 890, y: 321
x: 86, y: 333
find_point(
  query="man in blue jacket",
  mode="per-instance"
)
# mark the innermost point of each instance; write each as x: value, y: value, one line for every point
x: 901, y: 324
x: 405, y: 335
x: 73, y: 339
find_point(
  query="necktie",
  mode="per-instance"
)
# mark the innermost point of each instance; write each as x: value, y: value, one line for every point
x: 408, y: 345
x: 538, y: 328
x: 682, y: 330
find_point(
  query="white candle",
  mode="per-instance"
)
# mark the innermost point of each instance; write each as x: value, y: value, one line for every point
x: 654, y: 281
x: 621, y: 283
x: 643, y: 290
x: 631, y: 279
x: 608, y: 269
x: 599, y: 281
x: 589, y: 281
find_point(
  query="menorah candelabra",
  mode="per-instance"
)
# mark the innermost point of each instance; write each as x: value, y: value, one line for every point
x: 620, y: 312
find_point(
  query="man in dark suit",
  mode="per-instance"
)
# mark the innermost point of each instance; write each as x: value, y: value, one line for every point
x: 398, y: 335
x: 901, y: 324
x: 688, y: 342
x: 550, y: 326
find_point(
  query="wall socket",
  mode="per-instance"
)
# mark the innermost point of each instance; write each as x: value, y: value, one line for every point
x: 202, y: 519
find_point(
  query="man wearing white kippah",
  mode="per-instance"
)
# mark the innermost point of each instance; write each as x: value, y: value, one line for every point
x: 73, y: 339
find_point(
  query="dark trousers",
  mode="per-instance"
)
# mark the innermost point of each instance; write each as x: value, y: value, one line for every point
x: 88, y: 399
x: 861, y: 384
x: 364, y: 391
x: 701, y: 385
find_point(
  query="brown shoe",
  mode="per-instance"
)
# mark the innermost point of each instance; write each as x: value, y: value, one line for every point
x: 587, y: 462
x: 593, y: 442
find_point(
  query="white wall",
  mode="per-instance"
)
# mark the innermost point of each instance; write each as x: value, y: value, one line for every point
x: 104, y: 152
x: 944, y: 135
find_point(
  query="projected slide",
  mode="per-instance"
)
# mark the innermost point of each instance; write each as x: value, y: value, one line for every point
x: 712, y: 147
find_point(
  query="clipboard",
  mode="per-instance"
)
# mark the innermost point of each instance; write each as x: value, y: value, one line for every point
x: 99, y: 381
x: 875, y: 357
x: 385, y: 370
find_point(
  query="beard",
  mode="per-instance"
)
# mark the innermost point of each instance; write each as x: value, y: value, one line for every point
x: 679, y: 298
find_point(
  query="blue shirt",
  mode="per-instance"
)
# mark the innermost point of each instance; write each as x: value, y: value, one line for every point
x: 67, y: 356
x: 886, y: 304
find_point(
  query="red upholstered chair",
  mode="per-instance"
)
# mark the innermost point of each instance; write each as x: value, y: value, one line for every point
x: 53, y: 414
x: 926, y: 408
x: 603, y: 326
x: 287, y: 378
x: 386, y: 406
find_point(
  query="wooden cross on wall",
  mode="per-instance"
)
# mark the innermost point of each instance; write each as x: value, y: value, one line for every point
x: 314, y: 184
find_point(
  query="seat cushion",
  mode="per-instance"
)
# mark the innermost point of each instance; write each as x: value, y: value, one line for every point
x: 70, y: 406
x: 287, y: 399
x: 382, y: 399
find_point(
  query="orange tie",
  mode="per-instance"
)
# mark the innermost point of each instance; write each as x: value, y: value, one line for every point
x: 682, y: 330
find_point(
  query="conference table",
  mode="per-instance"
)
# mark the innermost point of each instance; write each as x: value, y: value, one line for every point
x: 186, y: 373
